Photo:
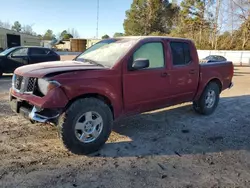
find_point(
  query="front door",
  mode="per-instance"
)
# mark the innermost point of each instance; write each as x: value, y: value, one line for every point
x: 146, y: 89
x: 16, y: 59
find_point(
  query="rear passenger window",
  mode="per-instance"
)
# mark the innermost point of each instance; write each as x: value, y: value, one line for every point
x: 180, y: 53
x: 38, y: 51
x: 153, y: 52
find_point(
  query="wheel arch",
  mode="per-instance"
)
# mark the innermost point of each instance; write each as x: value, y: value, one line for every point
x: 101, y: 97
x: 217, y: 81
x: 202, y: 87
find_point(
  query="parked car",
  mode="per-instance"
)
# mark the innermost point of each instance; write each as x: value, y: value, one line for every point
x: 12, y: 58
x: 213, y: 58
x: 126, y: 77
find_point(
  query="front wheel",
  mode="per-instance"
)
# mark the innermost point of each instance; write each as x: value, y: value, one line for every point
x: 209, y: 100
x: 85, y: 126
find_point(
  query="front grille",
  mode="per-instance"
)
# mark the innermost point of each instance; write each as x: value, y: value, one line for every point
x: 31, y: 84
x: 24, y: 84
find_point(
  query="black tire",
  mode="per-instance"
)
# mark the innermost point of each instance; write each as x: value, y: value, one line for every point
x: 200, y: 105
x: 67, y: 122
x: 1, y: 73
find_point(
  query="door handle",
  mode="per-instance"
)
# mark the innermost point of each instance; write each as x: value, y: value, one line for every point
x: 164, y: 74
x: 192, y: 71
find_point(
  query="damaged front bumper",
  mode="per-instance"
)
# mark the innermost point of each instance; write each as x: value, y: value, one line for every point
x: 33, y: 113
x: 35, y: 116
x: 45, y: 109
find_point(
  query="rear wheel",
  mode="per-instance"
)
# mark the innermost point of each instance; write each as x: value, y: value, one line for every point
x: 85, y: 126
x: 209, y: 100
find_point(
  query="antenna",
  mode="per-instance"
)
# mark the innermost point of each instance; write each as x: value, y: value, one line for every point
x: 97, y: 19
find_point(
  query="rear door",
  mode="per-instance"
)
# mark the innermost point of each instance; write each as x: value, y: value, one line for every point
x: 184, y: 71
x: 38, y: 55
x: 148, y: 88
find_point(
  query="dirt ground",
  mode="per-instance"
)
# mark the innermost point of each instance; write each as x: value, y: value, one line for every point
x: 172, y: 147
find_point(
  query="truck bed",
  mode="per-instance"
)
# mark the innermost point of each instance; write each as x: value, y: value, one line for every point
x: 222, y: 70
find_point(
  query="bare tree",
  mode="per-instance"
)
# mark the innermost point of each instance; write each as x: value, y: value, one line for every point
x: 232, y: 22
x: 215, y: 24
x: 27, y: 29
x: 243, y: 14
x: 73, y: 32
x: 5, y: 25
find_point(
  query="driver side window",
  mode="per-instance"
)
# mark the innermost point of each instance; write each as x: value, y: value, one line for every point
x: 152, y: 51
x: 20, y: 52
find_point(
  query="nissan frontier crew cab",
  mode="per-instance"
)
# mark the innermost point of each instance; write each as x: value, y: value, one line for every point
x: 127, y: 76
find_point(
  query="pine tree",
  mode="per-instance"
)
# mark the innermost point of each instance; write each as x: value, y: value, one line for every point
x: 149, y: 16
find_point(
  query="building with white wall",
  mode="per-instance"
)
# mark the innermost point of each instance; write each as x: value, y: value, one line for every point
x: 9, y: 38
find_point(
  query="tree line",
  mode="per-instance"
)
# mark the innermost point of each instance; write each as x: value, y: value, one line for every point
x: 211, y: 24
x: 48, y: 35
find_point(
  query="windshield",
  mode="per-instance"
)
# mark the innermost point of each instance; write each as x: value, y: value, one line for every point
x: 5, y: 52
x: 98, y: 45
x: 108, y: 54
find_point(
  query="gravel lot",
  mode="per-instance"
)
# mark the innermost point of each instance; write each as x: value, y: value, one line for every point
x: 172, y: 147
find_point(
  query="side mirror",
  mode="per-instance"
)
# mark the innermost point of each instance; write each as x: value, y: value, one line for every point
x: 11, y: 55
x: 140, y: 64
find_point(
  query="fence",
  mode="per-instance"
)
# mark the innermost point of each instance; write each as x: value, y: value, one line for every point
x: 237, y: 57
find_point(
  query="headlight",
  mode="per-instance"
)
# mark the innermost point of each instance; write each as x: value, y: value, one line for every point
x: 13, y: 80
x: 45, y: 85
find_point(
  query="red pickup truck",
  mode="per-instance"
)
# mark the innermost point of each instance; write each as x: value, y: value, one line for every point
x: 116, y: 78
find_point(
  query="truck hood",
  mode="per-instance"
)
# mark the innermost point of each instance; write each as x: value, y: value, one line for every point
x: 40, y: 70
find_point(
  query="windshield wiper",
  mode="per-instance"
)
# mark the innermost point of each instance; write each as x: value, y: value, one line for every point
x: 90, y: 61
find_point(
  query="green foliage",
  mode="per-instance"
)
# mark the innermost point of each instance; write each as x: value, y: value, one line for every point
x: 245, y: 33
x: 48, y: 35
x: 194, y: 22
x: 68, y: 36
x: 17, y: 26
x: 65, y: 35
x: 148, y: 16
x: 118, y: 34
x: 40, y: 36
x: 105, y: 37
x: 193, y: 19
x: 157, y: 33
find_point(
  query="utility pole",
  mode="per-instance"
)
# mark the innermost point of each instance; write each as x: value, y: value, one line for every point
x: 97, y: 19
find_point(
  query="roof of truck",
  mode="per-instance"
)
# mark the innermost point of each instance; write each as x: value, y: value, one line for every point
x: 149, y: 37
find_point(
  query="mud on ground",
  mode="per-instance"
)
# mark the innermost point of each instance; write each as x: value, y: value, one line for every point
x: 172, y: 147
